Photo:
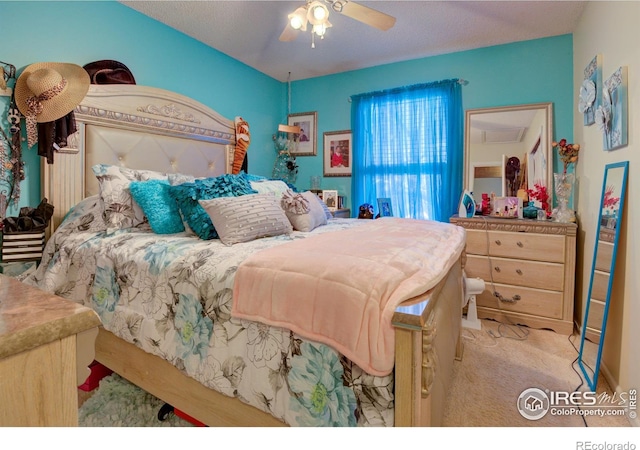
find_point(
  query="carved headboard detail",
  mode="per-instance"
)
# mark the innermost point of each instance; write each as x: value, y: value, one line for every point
x: 139, y: 127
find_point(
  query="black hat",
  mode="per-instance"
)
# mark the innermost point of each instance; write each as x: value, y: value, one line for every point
x: 107, y: 71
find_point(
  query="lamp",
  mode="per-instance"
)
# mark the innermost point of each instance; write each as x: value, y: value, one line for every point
x: 314, y: 12
x: 298, y: 19
x: 318, y: 16
x: 318, y: 13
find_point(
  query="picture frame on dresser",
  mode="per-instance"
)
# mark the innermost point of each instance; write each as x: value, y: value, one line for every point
x: 384, y: 207
x: 330, y: 198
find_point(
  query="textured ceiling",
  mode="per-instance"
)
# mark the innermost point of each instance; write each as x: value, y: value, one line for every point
x: 249, y: 30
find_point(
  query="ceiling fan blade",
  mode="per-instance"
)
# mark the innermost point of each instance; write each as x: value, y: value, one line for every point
x: 368, y: 16
x: 289, y: 34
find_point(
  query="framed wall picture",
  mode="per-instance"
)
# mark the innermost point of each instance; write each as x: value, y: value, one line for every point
x: 308, y: 123
x: 330, y: 198
x: 612, y: 115
x: 591, y: 90
x: 384, y: 207
x: 338, y: 155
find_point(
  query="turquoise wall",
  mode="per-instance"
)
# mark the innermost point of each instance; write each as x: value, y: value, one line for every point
x: 81, y: 32
x: 525, y: 72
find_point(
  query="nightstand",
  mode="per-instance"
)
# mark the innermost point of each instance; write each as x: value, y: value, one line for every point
x: 343, y: 213
x: 46, y: 345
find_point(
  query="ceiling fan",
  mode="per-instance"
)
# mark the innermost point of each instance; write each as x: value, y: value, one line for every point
x: 316, y: 13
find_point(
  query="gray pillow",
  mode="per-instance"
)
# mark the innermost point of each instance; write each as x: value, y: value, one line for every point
x: 304, y: 210
x: 248, y: 217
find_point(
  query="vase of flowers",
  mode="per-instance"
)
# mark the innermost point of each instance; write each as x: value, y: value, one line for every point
x: 563, y: 182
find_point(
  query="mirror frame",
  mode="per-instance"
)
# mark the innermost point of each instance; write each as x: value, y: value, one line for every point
x: 546, y: 106
x: 592, y: 381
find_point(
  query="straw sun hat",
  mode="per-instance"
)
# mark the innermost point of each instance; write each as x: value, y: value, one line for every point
x: 47, y: 91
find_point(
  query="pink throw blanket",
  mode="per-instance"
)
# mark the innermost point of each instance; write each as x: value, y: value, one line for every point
x: 342, y: 288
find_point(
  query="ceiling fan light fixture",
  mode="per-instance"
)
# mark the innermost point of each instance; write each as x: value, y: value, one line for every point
x: 321, y: 29
x: 298, y: 19
x: 318, y: 13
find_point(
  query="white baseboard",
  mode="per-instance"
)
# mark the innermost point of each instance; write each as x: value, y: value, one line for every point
x: 604, y: 371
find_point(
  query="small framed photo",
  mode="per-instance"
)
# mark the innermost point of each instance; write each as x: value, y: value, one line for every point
x: 337, y: 153
x: 507, y: 208
x: 330, y: 198
x: 306, y: 144
x: 384, y: 207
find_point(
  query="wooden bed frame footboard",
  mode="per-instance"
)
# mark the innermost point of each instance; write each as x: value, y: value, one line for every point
x: 427, y: 342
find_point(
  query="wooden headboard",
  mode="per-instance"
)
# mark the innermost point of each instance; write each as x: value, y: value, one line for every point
x: 139, y: 127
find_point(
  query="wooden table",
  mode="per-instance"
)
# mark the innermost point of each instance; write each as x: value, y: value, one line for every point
x: 46, y: 346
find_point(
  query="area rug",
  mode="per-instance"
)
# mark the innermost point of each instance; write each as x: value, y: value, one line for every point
x: 118, y: 403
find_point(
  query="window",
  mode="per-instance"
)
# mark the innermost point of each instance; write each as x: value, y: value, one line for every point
x: 407, y: 145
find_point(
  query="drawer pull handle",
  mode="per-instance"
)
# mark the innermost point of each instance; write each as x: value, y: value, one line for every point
x: 497, y: 269
x: 519, y: 272
x: 519, y: 244
x: 498, y: 242
x: 513, y: 299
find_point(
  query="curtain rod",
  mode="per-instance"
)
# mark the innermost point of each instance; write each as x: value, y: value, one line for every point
x: 460, y: 81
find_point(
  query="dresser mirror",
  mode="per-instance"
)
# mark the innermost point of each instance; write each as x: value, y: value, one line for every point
x: 602, y: 271
x: 492, y: 135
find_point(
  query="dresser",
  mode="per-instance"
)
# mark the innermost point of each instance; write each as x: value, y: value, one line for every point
x: 46, y: 346
x: 528, y: 267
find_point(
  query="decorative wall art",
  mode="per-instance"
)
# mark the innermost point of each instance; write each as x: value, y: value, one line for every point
x: 612, y: 115
x: 306, y: 144
x: 338, y: 156
x: 589, y: 98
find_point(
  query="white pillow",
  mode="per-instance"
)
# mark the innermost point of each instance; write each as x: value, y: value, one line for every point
x: 275, y: 187
x: 304, y: 210
x: 247, y: 217
x: 119, y: 208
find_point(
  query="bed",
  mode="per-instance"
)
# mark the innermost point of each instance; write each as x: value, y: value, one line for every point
x: 149, y: 129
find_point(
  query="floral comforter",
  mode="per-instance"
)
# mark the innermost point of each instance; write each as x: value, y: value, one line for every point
x: 171, y: 295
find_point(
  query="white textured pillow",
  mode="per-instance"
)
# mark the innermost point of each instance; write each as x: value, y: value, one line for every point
x: 119, y: 208
x: 304, y: 210
x: 275, y: 187
x: 248, y: 217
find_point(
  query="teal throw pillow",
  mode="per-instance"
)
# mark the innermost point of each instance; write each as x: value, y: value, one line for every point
x: 187, y: 196
x: 157, y: 205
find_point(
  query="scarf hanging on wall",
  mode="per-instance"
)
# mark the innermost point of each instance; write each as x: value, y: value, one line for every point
x: 11, y: 164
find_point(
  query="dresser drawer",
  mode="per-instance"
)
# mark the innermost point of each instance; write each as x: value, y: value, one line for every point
x: 531, y: 246
x: 531, y: 301
x: 542, y: 275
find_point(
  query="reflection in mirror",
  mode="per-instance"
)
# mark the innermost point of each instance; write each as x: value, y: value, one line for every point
x: 602, y: 271
x: 493, y: 135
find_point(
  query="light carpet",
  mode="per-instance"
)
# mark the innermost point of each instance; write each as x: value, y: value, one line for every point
x: 499, y: 362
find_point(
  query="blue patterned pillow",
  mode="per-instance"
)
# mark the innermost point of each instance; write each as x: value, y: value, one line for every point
x: 162, y: 211
x: 187, y: 195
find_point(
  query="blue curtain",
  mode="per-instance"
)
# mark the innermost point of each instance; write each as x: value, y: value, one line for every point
x: 408, y: 147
